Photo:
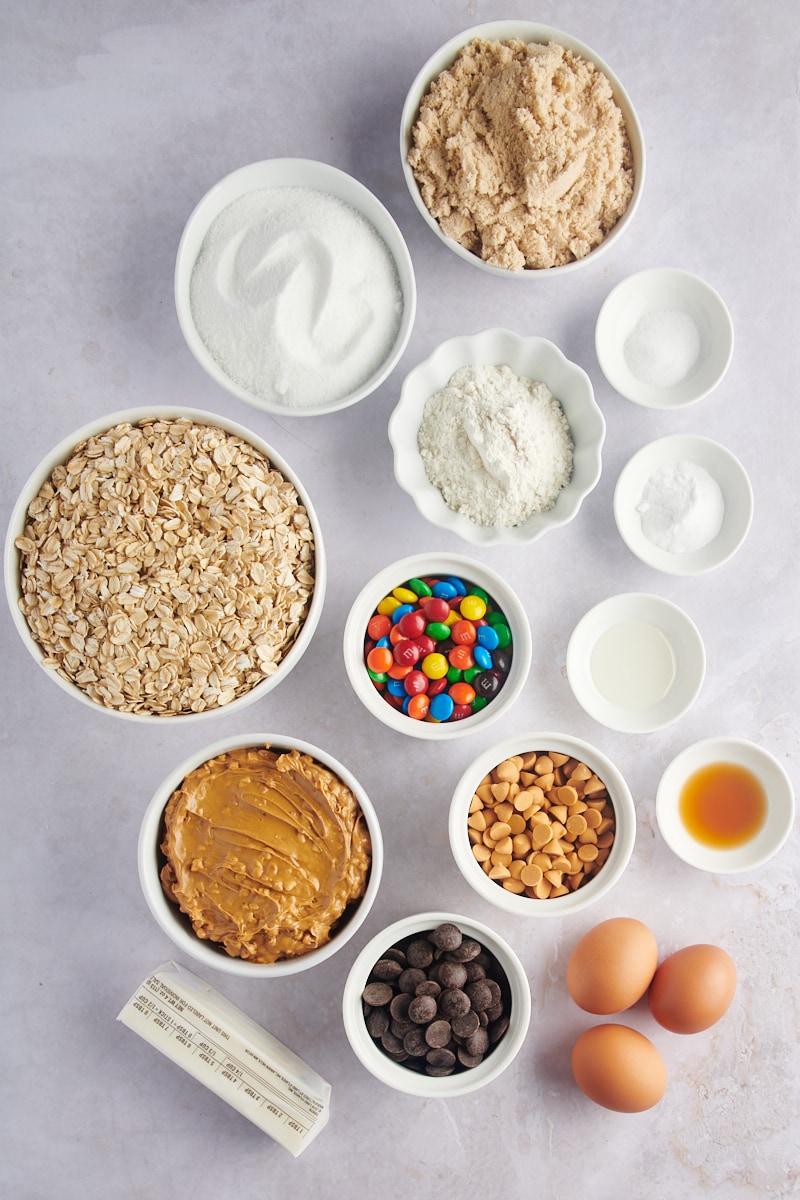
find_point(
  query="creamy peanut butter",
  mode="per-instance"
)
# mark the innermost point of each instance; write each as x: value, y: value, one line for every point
x: 265, y: 849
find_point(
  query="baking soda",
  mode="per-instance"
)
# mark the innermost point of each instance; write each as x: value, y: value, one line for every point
x: 682, y: 508
x: 296, y: 296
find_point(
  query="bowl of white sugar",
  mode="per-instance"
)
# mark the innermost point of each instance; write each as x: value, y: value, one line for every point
x: 497, y: 437
x: 664, y: 338
x: 294, y: 287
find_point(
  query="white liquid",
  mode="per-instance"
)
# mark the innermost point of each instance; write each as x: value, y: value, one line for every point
x: 633, y: 664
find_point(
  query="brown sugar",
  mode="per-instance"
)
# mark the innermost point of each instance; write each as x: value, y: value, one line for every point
x: 522, y: 154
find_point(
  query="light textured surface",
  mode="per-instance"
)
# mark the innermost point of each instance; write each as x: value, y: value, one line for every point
x: 117, y: 118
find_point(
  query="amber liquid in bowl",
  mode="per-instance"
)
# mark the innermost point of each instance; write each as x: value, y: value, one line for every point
x: 722, y: 805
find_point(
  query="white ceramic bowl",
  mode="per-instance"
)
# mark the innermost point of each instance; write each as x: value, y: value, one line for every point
x: 299, y: 173
x: 526, y: 31
x: 396, y: 1075
x: 635, y: 662
x: 597, y: 885
x: 725, y: 470
x: 779, y: 815
x: 655, y: 297
x: 436, y: 565
x: 59, y: 455
x: 531, y: 358
x: 177, y: 926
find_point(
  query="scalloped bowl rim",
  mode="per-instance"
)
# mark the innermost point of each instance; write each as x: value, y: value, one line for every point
x: 501, y: 347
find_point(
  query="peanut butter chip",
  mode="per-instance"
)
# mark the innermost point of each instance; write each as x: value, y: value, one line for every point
x: 548, y: 824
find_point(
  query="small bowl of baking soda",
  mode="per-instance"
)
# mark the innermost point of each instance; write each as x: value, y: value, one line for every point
x: 683, y: 504
x: 664, y: 338
x: 294, y: 287
x: 497, y: 437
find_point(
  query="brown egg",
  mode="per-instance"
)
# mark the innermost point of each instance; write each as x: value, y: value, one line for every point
x: 612, y: 965
x: 619, y: 1068
x: 692, y: 988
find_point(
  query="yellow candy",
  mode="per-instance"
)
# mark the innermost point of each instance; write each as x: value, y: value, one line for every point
x: 387, y: 605
x: 435, y: 666
x: 472, y: 608
x: 405, y: 595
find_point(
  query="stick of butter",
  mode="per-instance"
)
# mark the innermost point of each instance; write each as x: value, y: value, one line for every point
x: 213, y: 1040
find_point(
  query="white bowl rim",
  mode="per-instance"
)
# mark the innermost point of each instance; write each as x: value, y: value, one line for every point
x: 60, y: 453
x: 495, y: 346
x: 595, y: 888
x: 337, y: 181
x: 780, y: 799
x: 631, y: 720
x: 408, y: 568
x: 649, y: 396
x: 529, y: 31
x: 707, y: 453
x: 395, y: 1074
x: 176, y: 926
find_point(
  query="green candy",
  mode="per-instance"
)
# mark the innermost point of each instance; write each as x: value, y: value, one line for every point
x: 470, y: 674
x: 378, y: 676
x: 419, y: 587
x: 478, y: 703
x: 454, y: 675
x: 503, y: 634
x: 438, y: 631
x: 495, y: 618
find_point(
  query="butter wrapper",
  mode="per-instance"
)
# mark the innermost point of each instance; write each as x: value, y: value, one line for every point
x: 218, y: 1044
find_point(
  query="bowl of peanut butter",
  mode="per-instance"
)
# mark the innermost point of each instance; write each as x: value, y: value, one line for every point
x: 260, y: 855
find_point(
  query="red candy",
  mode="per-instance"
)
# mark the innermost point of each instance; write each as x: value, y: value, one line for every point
x: 379, y: 626
x: 407, y: 653
x: 415, y: 683
x: 435, y: 609
x: 412, y: 624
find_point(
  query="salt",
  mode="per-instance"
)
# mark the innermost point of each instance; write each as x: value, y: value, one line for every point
x: 296, y: 296
x: 663, y: 347
x: 682, y: 508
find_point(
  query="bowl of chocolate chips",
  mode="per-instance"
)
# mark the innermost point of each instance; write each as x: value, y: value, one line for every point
x: 436, y: 1005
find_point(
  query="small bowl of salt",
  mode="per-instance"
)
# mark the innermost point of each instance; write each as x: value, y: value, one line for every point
x: 664, y: 338
x: 683, y: 504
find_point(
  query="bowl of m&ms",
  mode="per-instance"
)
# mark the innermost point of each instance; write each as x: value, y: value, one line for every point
x: 437, y: 646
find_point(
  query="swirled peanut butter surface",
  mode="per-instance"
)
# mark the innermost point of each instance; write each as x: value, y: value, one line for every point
x: 265, y: 849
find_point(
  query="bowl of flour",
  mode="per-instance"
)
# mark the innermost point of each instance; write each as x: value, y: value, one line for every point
x: 497, y: 437
x: 294, y: 287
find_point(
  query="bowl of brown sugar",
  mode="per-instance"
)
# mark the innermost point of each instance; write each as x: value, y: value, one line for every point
x: 498, y: 157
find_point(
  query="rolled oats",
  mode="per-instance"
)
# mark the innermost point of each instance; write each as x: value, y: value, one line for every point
x: 166, y: 567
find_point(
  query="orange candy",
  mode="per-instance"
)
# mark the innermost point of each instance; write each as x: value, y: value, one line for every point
x: 461, y: 657
x: 418, y: 707
x: 379, y: 659
x: 462, y: 693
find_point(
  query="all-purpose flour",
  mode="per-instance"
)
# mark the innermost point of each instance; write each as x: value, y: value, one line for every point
x: 496, y: 445
x: 296, y: 296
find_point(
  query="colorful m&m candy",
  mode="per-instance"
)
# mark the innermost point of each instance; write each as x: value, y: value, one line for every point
x: 438, y: 648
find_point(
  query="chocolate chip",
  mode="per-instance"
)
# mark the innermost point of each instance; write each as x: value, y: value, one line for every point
x: 399, y: 1006
x: 419, y: 953
x: 498, y: 1027
x: 429, y: 988
x: 377, y: 993
x: 451, y: 974
x: 391, y: 1043
x: 469, y: 1060
x: 438, y: 1033
x: 480, y: 994
x: 454, y: 1003
x: 477, y: 1043
x: 466, y: 951
x: 414, y: 1043
x: 410, y: 979
x: 465, y: 1025
x: 378, y: 1022
x: 475, y: 970
x: 446, y: 936
x: 387, y: 969
x: 441, y: 1058
x: 422, y: 1009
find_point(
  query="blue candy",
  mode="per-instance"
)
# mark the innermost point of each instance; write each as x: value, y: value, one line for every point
x: 396, y: 687
x: 401, y: 611
x: 486, y: 636
x: 458, y: 584
x: 442, y: 706
x: 444, y: 590
x: 483, y: 658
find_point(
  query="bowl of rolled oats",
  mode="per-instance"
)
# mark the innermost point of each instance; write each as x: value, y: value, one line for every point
x: 165, y: 563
